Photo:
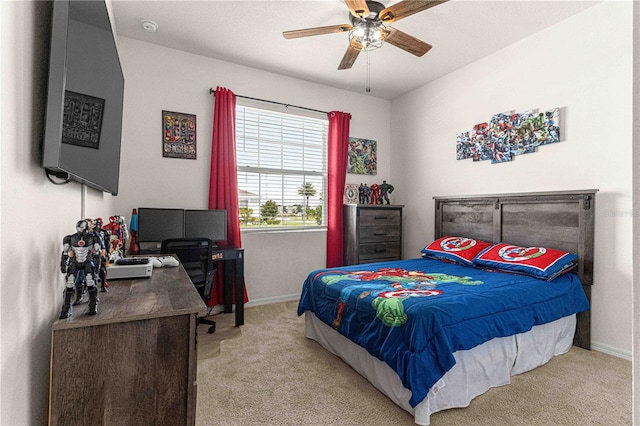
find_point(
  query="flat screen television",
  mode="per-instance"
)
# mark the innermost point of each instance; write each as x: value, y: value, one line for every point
x: 84, y: 105
x: 210, y: 224
x: 156, y: 225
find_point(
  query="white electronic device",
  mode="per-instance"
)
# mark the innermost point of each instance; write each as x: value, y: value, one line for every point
x: 115, y: 271
x: 169, y: 261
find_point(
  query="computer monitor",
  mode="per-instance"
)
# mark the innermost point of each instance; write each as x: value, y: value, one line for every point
x: 210, y: 224
x: 156, y: 225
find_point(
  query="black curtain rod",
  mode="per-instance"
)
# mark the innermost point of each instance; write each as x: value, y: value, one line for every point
x: 213, y: 92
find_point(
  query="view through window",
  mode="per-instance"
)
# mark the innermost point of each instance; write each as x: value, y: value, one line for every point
x: 282, y: 169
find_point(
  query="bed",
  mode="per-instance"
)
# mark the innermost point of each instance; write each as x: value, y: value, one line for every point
x: 434, y: 332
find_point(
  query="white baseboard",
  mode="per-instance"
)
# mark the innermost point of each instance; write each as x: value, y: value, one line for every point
x: 612, y: 350
x: 276, y: 299
x: 264, y: 301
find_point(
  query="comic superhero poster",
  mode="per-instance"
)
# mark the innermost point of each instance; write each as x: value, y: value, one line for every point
x: 178, y: 135
x: 509, y: 134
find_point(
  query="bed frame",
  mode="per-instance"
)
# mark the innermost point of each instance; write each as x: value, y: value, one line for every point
x: 561, y: 219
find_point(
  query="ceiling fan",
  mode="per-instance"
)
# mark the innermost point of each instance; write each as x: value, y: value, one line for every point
x: 368, y: 29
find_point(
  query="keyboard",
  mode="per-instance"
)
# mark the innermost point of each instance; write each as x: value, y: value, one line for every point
x: 133, y: 261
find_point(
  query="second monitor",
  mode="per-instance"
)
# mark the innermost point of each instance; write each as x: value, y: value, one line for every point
x: 210, y: 224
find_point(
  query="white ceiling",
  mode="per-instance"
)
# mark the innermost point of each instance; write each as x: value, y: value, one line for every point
x: 250, y: 33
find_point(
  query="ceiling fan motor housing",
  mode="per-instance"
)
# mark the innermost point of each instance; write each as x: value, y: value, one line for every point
x: 374, y: 10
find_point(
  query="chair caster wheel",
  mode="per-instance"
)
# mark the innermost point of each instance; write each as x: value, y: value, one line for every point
x: 212, y: 329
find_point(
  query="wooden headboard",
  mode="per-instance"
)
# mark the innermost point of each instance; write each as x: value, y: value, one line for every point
x: 561, y: 219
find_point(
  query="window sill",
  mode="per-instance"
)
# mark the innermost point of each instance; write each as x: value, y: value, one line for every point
x: 282, y: 230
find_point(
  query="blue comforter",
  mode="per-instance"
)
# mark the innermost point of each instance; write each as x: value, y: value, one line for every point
x: 414, y: 314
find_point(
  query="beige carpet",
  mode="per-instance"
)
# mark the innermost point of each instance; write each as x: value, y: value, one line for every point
x: 267, y: 373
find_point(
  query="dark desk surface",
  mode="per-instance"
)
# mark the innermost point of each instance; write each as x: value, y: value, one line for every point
x: 232, y: 272
x: 168, y: 292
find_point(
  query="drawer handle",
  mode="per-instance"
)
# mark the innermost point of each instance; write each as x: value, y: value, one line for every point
x: 379, y: 250
x: 380, y: 217
x: 379, y: 234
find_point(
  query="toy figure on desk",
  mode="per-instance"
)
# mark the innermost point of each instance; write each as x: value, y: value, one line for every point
x: 385, y: 190
x: 77, y: 262
x: 124, y: 232
x: 116, y: 243
x: 101, y: 260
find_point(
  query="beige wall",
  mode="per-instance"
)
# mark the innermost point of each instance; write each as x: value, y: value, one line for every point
x: 582, y: 65
x: 34, y: 216
x: 276, y: 263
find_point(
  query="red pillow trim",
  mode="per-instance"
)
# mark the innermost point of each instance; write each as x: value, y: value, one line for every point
x: 540, y: 262
x: 457, y: 249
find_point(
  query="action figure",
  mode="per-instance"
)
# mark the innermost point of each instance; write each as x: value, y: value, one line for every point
x: 115, y: 239
x: 77, y: 262
x: 385, y: 190
x: 101, y: 260
x: 124, y: 232
x: 366, y: 194
x: 361, y: 193
x: 375, y: 194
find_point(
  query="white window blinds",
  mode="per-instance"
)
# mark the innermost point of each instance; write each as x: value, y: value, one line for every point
x: 282, y: 169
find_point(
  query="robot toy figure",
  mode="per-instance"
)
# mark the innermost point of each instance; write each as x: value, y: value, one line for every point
x: 77, y: 263
x: 102, y: 235
x: 124, y: 231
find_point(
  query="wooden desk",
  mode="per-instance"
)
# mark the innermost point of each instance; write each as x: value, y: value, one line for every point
x: 233, y: 266
x: 134, y: 363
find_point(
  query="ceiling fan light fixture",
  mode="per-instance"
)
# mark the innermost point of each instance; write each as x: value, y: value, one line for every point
x: 368, y: 34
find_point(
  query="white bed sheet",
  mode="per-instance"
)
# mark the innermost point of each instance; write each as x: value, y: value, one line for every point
x: 476, y: 370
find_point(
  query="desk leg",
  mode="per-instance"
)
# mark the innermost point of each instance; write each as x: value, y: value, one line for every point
x: 239, y: 289
x: 228, y: 286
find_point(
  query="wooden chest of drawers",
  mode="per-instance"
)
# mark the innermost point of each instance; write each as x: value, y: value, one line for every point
x: 372, y: 233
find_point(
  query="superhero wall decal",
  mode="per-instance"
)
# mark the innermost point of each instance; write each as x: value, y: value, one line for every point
x: 509, y: 134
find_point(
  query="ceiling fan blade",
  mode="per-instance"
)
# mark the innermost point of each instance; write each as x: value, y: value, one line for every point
x: 350, y: 56
x: 358, y: 8
x: 406, y: 42
x: 406, y: 8
x: 316, y: 31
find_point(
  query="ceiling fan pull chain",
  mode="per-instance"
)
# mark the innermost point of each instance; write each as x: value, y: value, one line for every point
x: 368, y: 88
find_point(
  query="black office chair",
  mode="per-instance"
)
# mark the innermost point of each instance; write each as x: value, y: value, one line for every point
x: 195, y: 256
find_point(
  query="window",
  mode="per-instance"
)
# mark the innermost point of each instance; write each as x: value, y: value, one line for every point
x: 282, y: 169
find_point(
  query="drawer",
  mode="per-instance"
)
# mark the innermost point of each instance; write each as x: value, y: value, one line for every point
x: 379, y: 251
x: 374, y: 234
x: 378, y: 217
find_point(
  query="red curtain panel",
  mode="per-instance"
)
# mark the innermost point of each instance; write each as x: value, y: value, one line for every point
x: 223, y: 182
x: 338, y: 159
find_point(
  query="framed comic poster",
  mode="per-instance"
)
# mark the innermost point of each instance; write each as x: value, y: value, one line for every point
x: 362, y: 157
x: 178, y: 135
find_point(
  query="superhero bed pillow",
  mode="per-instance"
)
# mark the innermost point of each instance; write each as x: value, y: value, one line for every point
x: 455, y: 249
x: 538, y: 262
